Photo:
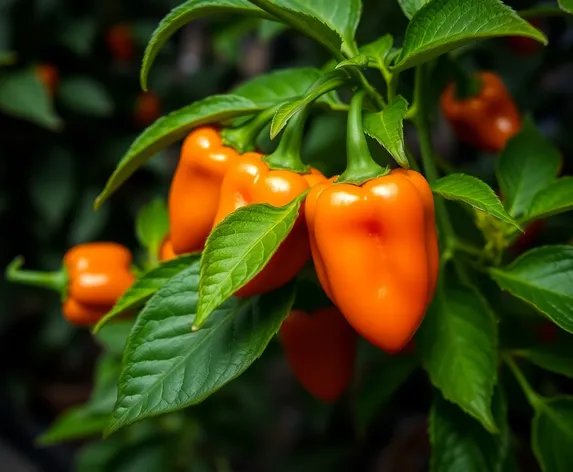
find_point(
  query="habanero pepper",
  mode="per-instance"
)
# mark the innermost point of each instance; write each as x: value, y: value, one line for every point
x: 374, y: 243
x: 320, y: 348
x: 49, y: 76
x: 93, y: 277
x: 486, y: 120
x: 147, y: 108
x: 119, y: 40
x: 166, y: 250
x: 276, y: 179
x: 196, y: 185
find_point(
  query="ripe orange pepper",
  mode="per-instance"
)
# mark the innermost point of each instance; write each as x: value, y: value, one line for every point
x: 94, y: 276
x: 250, y: 180
x: 119, y: 39
x: 166, y: 250
x: 147, y: 108
x: 320, y: 349
x: 487, y: 120
x: 98, y: 275
x: 375, y: 251
x: 49, y: 76
x: 195, y: 188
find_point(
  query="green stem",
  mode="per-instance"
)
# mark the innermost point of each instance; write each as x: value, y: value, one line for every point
x: 392, y: 85
x: 361, y: 167
x: 57, y: 280
x: 532, y: 396
x: 243, y: 138
x: 287, y: 154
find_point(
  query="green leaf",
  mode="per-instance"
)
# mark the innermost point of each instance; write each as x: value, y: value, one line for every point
x: 360, y: 61
x: 475, y: 192
x: 171, y: 128
x: 79, y: 35
x: 146, y: 285
x: 113, y: 336
x: 275, y: 87
x: 542, y: 277
x: 457, y: 321
x: 460, y: 443
x: 75, y: 423
x: 22, y: 95
x: 556, y: 358
x: 379, y: 387
x: 86, y: 96
x: 552, y: 434
x: 379, y: 50
x: 238, y: 248
x: 324, y: 84
x: 167, y: 367
x: 52, y: 187
x: 183, y: 14
x: 311, y: 20
x: 410, y: 7
x: 387, y: 127
x: 552, y: 200
x: 528, y: 164
x: 566, y: 5
x: 342, y: 16
x: 152, y: 225
x: 443, y: 25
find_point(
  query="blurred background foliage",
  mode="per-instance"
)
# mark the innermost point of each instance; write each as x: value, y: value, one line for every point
x: 70, y: 105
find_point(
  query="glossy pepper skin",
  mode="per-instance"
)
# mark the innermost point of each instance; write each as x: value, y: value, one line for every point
x: 166, y: 250
x: 375, y: 251
x: 98, y: 274
x: 320, y: 348
x: 486, y: 121
x: 195, y: 188
x: 250, y: 180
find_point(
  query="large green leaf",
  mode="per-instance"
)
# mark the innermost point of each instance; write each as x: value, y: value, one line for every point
x: 542, y: 277
x: 459, y: 443
x: 146, y: 285
x: 410, y: 7
x: 553, y: 199
x: 457, y: 321
x: 528, y: 164
x: 556, y: 358
x: 278, y: 86
x: 566, y: 5
x: 552, y: 434
x: 443, y: 25
x: 239, y: 248
x: 23, y: 95
x: 474, y: 192
x: 342, y: 16
x: 312, y: 21
x: 387, y: 127
x: 183, y: 14
x: 170, y: 129
x: 167, y: 367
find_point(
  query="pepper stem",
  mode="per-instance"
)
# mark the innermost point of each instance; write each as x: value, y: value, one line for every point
x: 361, y: 166
x: 243, y: 138
x: 57, y: 280
x: 287, y: 155
x: 467, y: 84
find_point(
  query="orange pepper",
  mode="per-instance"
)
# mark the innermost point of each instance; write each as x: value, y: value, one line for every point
x: 320, y: 348
x: 250, y: 180
x: 119, y: 39
x: 147, y: 108
x: 98, y: 274
x: 166, y: 250
x: 195, y: 188
x: 49, y: 76
x: 375, y: 251
x: 487, y: 120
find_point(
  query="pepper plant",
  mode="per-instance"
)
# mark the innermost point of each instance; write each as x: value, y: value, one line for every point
x: 203, y: 317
